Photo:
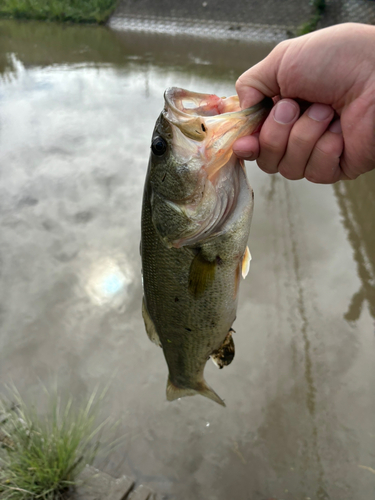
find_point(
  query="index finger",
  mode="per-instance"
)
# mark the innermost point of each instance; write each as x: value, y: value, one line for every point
x: 260, y: 80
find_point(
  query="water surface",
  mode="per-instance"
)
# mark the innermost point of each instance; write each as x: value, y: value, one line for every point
x: 77, y: 109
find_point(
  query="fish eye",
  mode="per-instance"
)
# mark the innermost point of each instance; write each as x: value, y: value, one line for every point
x: 159, y: 146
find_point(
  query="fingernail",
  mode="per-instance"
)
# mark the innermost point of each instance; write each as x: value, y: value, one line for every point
x: 285, y: 112
x: 335, y: 127
x: 320, y: 112
x: 246, y: 155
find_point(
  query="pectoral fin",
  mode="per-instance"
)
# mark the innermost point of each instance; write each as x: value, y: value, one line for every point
x: 246, y: 259
x: 225, y: 354
x: 202, y: 274
x: 174, y: 392
x: 149, y: 325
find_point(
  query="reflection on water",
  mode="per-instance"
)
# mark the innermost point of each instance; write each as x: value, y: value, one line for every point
x: 222, y: 60
x: 357, y: 204
x: 306, y: 333
x: 107, y: 282
x: 77, y: 109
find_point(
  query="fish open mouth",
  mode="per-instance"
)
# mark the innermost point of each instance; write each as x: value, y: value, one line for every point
x: 214, y: 122
x: 194, y: 103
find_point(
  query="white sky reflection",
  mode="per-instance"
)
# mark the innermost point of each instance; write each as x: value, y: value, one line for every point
x: 108, y: 282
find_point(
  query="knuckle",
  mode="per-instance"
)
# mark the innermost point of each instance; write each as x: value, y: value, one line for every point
x: 323, y: 172
x: 270, y: 141
x: 266, y: 166
x: 330, y: 146
x: 239, y: 83
x: 349, y: 174
x: 292, y: 173
x: 332, y: 149
x: 243, y: 81
x: 313, y: 176
x: 282, y: 45
x: 301, y: 139
x: 271, y: 147
x: 278, y: 51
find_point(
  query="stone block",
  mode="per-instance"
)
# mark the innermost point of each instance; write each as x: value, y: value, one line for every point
x: 141, y: 493
x: 97, y: 485
x: 120, y: 488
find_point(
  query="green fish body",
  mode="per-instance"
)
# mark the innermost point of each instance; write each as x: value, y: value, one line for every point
x: 196, y: 215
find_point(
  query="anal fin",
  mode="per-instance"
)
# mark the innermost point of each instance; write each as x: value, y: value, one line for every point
x: 174, y: 392
x: 246, y: 259
x: 149, y: 325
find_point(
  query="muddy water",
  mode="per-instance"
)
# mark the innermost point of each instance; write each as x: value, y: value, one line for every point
x: 77, y: 107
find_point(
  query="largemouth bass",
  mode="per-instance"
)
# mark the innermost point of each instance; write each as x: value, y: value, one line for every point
x: 196, y: 215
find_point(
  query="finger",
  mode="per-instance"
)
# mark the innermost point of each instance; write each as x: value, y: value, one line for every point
x: 247, y: 147
x: 323, y: 166
x: 261, y: 79
x: 274, y: 134
x: 358, y: 123
x: 303, y: 138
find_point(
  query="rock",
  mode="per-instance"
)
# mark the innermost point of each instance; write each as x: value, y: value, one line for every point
x: 120, y: 488
x: 96, y: 485
x: 141, y: 493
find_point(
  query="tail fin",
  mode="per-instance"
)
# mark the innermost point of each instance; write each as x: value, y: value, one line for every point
x: 174, y: 392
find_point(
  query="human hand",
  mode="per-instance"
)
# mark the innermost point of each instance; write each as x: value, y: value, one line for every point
x: 333, y: 139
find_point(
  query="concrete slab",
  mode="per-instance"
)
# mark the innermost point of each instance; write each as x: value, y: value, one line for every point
x: 141, y: 493
x: 120, y: 488
x: 97, y: 485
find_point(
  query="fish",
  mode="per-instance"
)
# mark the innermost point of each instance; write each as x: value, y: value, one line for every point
x: 196, y: 214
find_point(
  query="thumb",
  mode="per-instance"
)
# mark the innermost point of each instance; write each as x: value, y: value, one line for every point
x: 261, y: 80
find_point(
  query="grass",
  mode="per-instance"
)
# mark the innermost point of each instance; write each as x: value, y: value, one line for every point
x: 76, y: 11
x: 319, y: 7
x: 41, y: 456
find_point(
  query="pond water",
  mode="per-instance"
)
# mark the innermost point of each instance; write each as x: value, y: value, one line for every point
x: 77, y: 109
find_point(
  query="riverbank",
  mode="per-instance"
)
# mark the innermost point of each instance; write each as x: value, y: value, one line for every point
x: 76, y: 11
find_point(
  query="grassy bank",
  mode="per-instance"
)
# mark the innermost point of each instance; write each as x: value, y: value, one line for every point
x: 41, y: 455
x: 318, y: 7
x: 76, y: 11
